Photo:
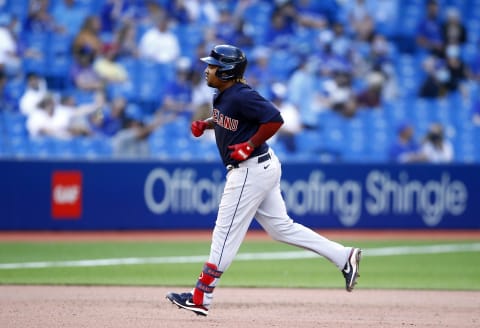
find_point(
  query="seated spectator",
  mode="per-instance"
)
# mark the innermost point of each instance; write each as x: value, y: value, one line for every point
x: 436, y: 148
x: 429, y: 31
x: 114, y: 13
x: 76, y: 117
x: 83, y: 74
x: 112, y: 118
x: 124, y: 41
x: 338, y: 94
x: 39, y: 19
x: 35, y: 91
x: 405, y: 149
x: 341, y: 43
x: 132, y: 140
x: 159, y: 43
x: 457, y: 70
x: 371, y: 96
x: 453, y: 29
x: 10, y: 61
x: 312, y: 14
x: 179, y: 11
x: 12, y: 47
x: 241, y: 38
x: 42, y: 122
x: 88, y: 38
x: 280, y: 30
x: 62, y: 120
x: 204, y: 13
x: 359, y: 17
x: 380, y: 59
x: 108, y: 69
x: 291, y: 116
x: 433, y: 85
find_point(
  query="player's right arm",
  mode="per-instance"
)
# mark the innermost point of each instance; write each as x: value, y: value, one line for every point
x: 199, y: 126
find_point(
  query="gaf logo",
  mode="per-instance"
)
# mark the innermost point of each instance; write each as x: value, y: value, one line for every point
x: 66, y: 194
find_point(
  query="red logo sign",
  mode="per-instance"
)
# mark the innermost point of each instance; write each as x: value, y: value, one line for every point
x: 66, y: 194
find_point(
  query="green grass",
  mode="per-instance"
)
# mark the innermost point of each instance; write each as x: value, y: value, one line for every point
x: 458, y: 271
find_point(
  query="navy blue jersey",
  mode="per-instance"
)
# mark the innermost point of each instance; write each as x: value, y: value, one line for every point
x: 237, y: 113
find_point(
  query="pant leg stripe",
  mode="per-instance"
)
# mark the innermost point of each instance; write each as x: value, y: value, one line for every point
x: 233, y: 218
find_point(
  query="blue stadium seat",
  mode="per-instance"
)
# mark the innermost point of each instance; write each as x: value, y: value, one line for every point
x: 189, y: 37
x: 15, y: 124
x: 15, y: 87
x: 309, y: 142
x: 42, y: 147
x: 19, y: 8
x: 37, y: 42
x: 92, y: 147
x: 59, y: 61
x: 151, y: 80
x: 283, y: 63
x: 17, y: 146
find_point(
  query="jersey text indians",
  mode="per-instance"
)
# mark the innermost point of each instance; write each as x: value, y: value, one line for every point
x: 224, y: 121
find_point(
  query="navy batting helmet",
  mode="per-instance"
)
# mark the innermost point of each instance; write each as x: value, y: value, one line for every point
x: 231, y: 61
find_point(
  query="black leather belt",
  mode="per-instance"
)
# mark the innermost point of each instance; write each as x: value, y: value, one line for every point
x: 261, y: 159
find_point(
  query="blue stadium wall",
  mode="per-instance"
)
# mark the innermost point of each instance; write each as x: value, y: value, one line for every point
x: 72, y: 195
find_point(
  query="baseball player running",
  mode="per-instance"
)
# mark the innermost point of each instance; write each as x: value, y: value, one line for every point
x: 243, y: 121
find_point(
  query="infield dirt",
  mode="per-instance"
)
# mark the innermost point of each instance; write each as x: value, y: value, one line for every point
x: 82, y: 306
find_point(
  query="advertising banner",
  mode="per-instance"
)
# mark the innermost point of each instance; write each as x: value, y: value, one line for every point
x: 70, y: 195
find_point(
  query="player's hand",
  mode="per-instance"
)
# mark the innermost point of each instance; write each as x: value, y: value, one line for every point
x: 241, y: 151
x: 198, y: 127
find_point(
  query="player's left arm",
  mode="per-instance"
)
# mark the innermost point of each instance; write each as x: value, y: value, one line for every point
x: 265, y: 131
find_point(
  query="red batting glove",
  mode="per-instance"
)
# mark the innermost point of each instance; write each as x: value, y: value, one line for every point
x: 241, y: 151
x: 198, y: 127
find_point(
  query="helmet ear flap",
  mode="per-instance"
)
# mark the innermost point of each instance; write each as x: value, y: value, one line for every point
x: 224, y: 76
x: 226, y: 73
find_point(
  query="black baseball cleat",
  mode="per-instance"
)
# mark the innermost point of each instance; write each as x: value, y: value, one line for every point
x: 185, y: 301
x: 351, y: 269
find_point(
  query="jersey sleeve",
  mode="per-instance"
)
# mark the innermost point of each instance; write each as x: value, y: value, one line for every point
x: 256, y: 108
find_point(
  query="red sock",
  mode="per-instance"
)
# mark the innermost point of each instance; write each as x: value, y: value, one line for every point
x: 206, y: 282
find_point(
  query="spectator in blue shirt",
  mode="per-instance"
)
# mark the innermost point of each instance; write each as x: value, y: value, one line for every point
x: 112, y: 119
x: 405, y: 149
x: 429, y: 31
x: 39, y: 19
x: 114, y: 13
x: 280, y: 30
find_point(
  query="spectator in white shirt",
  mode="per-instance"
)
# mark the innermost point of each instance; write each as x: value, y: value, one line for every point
x: 9, y: 58
x: 61, y: 120
x: 42, y: 122
x: 75, y: 117
x: 436, y: 148
x: 158, y: 43
x: 35, y: 91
